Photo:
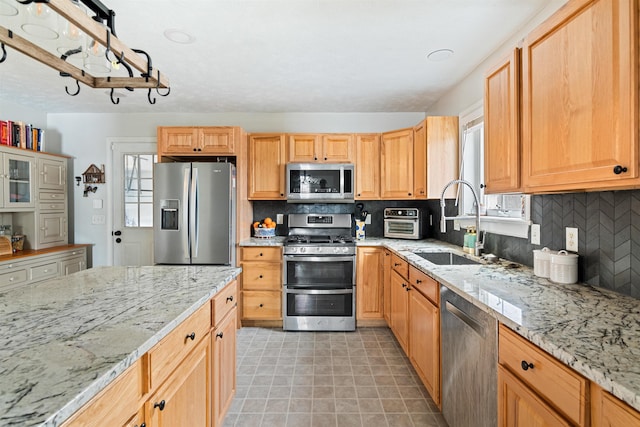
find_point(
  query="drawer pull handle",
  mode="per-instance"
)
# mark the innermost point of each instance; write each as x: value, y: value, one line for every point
x: 525, y: 365
x: 230, y: 298
x: 159, y: 405
x: 260, y: 253
x: 191, y: 336
x: 395, y: 264
x: 261, y: 305
x: 404, y: 285
x: 418, y: 281
x: 408, y: 289
x: 219, y: 335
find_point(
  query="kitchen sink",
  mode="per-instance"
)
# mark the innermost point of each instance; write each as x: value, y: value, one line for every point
x: 446, y: 258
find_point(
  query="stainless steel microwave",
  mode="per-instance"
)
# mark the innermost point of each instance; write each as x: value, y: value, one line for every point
x: 320, y: 183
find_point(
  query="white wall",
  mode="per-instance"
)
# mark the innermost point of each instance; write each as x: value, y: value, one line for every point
x: 84, y: 136
x: 471, y: 90
x: 15, y: 112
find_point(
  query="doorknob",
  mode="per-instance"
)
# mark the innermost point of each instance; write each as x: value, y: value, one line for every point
x: 118, y: 240
x: 117, y: 233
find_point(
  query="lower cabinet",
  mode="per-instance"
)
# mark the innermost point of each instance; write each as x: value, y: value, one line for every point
x: 399, y: 315
x: 261, y: 284
x: 386, y: 285
x: 369, y: 285
x: 223, y: 388
x: 609, y: 411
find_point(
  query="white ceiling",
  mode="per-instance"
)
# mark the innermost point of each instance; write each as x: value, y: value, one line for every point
x: 287, y: 55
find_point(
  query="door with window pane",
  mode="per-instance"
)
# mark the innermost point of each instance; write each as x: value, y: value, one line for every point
x: 132, y: 232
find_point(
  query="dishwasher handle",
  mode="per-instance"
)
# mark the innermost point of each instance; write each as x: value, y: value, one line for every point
x: 465, y: 318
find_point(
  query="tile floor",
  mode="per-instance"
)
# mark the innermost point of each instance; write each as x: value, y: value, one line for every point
x: 333, y: 379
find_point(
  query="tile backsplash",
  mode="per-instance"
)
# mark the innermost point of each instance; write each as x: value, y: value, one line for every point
x: 608, y: 226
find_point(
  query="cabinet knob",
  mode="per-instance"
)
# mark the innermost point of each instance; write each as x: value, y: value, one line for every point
x: 260, y: 253
x: 159, y: 405
x: 325, y: 158
x: 619, y: 169
x: 219, y: 335
x: 281, y: 194
x: 141, y: 425
x: 191, y: 336
x: 261, y: 305
x: 408, y: 289
x: 409, y: 193
x: 260, y: 277
x: 315, y: 158
x: 526, y: 365
x: 230, y: 298
x: 404, y: 285
x: 395, y: 264
x: 418, y: 281
x: 195, y: 149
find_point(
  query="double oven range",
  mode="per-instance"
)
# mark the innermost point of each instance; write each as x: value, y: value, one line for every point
x: 319, y: 274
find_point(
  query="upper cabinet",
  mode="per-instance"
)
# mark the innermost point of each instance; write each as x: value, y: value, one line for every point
x: 502, y: 126
x: 442, y: 156
x: 397, y: 164
x: 580, y: 98
x: 52, y: 173
x: 368, y: 166
x: 324, y: 148
x: 18, y: 174
x: 194, y: 141
x: 267, y: 160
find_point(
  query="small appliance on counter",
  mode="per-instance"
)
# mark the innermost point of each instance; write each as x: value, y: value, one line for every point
x: 403, y: 223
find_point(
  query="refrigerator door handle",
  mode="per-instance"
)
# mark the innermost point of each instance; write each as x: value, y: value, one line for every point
x: 185, y: 211
x: 194, y: 213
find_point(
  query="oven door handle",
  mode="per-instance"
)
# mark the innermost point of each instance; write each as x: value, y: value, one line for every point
x: 318, y: 291
x: 305, y: 258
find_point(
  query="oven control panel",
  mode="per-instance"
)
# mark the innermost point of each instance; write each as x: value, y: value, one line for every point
x: 408, y: 213
x: 320, y: 250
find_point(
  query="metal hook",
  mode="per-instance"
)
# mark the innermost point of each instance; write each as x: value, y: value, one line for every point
x: 149, y: 67
x: 4, y: 53
x: 158, y: 87
x: 66, y: 88
x: 151, y: 101
x: 116, y: 101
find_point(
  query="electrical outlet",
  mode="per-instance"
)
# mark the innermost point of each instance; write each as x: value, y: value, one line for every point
x: 279, y: 219
x: 572, y: 239
x: 97, y: 219
x: 367, y: 220
x: 456, y: 225
x: 535, y: 234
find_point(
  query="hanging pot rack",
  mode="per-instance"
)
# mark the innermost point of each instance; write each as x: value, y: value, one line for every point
x: 105, y: 35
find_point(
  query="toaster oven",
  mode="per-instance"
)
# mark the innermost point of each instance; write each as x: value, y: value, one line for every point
x: 403, y: 223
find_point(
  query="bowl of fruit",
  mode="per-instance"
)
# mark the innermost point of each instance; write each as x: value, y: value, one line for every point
x: 264, y: 229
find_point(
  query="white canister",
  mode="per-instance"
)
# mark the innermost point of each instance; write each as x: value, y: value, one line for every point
x: 360, y: 233
x: 542, y: 261
x: 564, y: 268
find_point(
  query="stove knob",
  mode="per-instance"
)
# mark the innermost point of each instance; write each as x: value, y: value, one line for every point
x: 303, y: 249
x: 399, y: 213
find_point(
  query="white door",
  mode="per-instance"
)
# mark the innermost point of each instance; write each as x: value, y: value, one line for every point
x: 132, y: 196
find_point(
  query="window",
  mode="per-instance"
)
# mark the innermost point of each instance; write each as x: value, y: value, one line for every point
x: 138, y: 189
x: 506, y: 214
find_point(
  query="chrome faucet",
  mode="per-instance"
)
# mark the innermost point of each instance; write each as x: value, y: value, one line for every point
x: 443, y: 220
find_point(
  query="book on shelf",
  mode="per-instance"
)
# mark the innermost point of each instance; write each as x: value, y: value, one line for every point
x: 21, y: 135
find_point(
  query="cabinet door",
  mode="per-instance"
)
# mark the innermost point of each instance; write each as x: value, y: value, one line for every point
x: 502, y: 126
x: 424, y: 336
x: 267, y: 160
x: 224, y: 367
x: 609, y: 411
x: 185, y: 397
x: 397, y: 165
x: 400, y: 310
x: 518, y: 406
x: 304, y: 148
x: 420, y: 160
x: 442, y: 155
x: 217, y: 140
x: 177, y: 140
x: 52, y: 229
x: 386, y: 298
x: 580, y: 98
x: 337, y: 148
x: 73, y: 265
x: 19, y: 181
x: 52, y: 174
x: 369, y: 287
x: 367, y: 167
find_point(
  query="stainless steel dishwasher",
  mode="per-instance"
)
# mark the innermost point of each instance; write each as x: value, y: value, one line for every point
x: 469, y: 363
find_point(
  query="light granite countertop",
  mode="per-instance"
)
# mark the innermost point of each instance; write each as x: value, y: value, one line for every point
x: 62, y: 341
x: 594, y: 331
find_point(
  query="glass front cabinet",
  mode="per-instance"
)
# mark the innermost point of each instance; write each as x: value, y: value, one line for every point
x: 18, y: 181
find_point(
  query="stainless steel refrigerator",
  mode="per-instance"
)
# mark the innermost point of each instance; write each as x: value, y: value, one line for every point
x: 194, y: 213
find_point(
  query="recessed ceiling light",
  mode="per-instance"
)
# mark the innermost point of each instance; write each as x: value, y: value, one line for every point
x: 179, y: 36
x: 440, y: 55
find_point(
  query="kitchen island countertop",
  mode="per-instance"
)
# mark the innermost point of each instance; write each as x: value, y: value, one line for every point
x: 62, y: 341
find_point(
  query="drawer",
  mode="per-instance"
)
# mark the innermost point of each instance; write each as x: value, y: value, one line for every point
x: 261, y: 253
x: 51, y: 197
x: 224, y: 302
x: 262, y: 305
x: 13, y: 277
x: 52, y: 206
x: 425, y: 284
x: 44, y: 271
x: 261, y: 277
x: 400, y: 265
x: 115, y: 405
x: 168, y: 353
x: 561, y: 387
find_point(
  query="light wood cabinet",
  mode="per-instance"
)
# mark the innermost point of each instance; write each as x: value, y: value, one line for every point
x: 550, y: 386
x: 580, y: 98
x: 442, y: 156
x: 502, y: 143
x: 386, y: 298
x: 424, y: 330
x: 369, y: 284
x: 223, y: 344
x: 329, y: 148
x: 267, y: 161
x: 399, y: 307
x: 185, y: 397
x: 609, y: 411
x: 261, y: 284
x: 190, y: 141
x: 397, y: 165
x: 367, y: 167
x: 420, y: 160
